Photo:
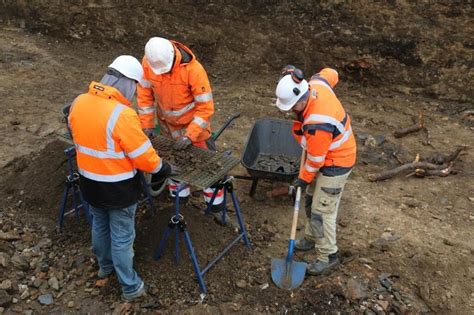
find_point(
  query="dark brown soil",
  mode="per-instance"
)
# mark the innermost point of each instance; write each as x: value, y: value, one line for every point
x: 395, y: 59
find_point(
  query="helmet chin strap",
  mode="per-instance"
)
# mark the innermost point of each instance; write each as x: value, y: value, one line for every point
x: 301, y: 103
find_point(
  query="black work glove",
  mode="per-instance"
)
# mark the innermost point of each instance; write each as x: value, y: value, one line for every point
x: 182, y: 143
x: 150, y: 132
x: 159, y: 177
x: 298, y: 183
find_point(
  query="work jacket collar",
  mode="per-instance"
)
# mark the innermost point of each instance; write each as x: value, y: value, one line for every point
x: 307, y: 111
x: 178, y: 60
x: 107, y: 92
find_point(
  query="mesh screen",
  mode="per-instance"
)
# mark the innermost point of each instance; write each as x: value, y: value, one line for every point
x: 198, y: 167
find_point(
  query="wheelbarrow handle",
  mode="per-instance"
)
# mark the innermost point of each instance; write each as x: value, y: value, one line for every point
x: 227, y: 123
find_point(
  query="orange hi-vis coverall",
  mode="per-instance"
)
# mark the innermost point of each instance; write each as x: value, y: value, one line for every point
x: 183, y: 97
x: 110, y: 147
x: 324, y: 128
x: 182, y: 102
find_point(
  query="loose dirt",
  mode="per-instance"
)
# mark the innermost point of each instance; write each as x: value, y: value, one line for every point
x: 406, y: 243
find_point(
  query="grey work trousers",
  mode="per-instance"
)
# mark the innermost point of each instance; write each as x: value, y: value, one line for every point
x: 324, y: 193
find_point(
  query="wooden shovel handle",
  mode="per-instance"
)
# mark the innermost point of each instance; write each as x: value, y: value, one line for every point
x: 297, y: 200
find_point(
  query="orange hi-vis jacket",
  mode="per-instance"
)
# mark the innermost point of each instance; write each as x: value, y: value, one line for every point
x: 325, y: 128
x: 183, y: 97
x: 110, y: 144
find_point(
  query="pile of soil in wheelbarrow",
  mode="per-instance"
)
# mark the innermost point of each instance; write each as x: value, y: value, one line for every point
x: 277, y: 163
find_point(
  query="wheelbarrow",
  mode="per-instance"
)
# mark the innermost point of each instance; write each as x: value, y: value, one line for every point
x: 271, y: 152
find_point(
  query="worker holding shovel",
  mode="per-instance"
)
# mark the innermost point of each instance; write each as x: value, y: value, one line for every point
x: 323, y: 129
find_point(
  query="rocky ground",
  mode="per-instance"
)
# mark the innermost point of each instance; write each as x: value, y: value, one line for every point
x: 406, y: 243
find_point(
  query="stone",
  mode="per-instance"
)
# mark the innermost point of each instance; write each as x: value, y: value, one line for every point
x: 355, y: 289
x: 20, y: 262
x: 6, y: 285
x: 10, y: 236
x: 241, y: 283
x: 79, y: 261
x: 4, y: 259
x: 54, y: 283
x: 383, y: 304
x: 46, y: 299
x: 38, y: 282
x: 44, y: 243
x: 5, y: 299
x: 70, y: 304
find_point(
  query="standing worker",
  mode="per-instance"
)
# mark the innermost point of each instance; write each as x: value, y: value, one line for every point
x: 323, y: 128
x: 110, y: 147
x: 178, y: 84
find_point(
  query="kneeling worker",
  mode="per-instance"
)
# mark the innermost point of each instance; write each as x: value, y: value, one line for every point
x: 111, y: 147
x: 323, y: 128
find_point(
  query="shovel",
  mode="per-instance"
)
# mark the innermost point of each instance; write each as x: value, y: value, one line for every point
x: 286, y: 273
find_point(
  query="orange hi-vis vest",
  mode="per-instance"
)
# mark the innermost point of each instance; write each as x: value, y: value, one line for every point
x: 183, y: 96
x: 325, y: 130
x: 110, y: 144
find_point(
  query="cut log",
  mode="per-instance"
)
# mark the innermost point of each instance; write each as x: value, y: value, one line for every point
x: 416, y: 127
x: 419, y: 168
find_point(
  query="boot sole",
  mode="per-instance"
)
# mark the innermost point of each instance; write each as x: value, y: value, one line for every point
x: 325, y: 272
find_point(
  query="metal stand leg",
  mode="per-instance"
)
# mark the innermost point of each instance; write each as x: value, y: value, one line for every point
x: 63, y: 208
x: 253, y: 188
x: 72, y: 186
x: 146, y: 192
x: 177, y: 222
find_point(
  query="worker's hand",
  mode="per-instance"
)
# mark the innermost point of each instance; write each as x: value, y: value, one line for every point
x: 300, y: 183
x: 159, y: 177
x: 182, y: 143
x: 150, y: 132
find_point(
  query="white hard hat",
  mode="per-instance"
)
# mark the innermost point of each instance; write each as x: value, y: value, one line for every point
x: 288, y: 92
x: 159, y: 53
x: 129, y: 66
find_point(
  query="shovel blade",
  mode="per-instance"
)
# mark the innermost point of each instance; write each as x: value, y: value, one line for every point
x: 288, y: 276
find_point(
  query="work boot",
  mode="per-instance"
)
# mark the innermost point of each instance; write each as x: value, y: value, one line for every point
x: 319, y: 267
x: 230, y: 222
x: 129, y: 298
x: 304, y: 244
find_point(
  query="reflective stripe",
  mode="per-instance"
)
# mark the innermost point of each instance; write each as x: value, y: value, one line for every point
x: 206, y: 97
x: 176, y: 113
x: 146, y: 110
x: 100, y: 154
x: 178, y: 133
x: 316, y: 159
x: 158, y: 168
x: 200, y: 122
x: 326, y: 119
x: 111, y: 125
x: 173, y: 185
x: 140, y: 150
x: 107, y: 178
x: 303, y: 142
x: 208, y: 192
x: 145, y: 84
x: 311, y: 169
x: 338, y: 143
x: 320, y: 82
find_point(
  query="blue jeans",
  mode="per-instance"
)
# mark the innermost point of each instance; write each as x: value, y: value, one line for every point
x: 113, y: 233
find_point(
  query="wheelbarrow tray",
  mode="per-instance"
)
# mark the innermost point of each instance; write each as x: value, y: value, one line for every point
x: 270, y: 136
